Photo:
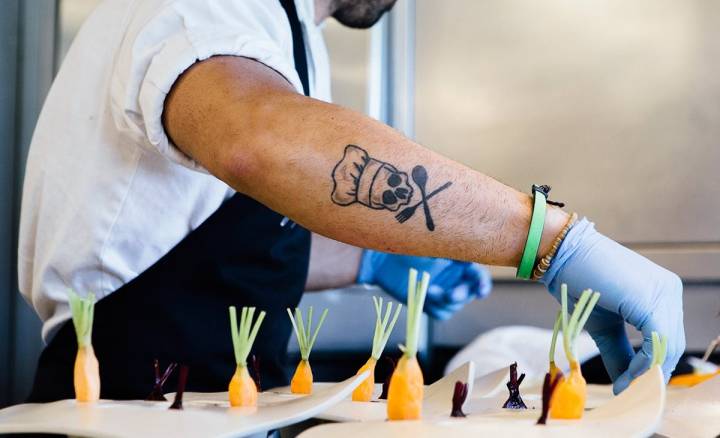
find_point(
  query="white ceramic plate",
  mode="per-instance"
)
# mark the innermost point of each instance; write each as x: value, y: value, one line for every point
x: 437, y: 402
x: 693, y: 412
x: 634, y: 413
x: 202, y: 417
x: 491, y: 384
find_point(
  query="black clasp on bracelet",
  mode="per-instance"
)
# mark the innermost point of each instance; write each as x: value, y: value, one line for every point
x: 545, y: 190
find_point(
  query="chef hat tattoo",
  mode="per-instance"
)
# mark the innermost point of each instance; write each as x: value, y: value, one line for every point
x: 359, y: 178
x: 373, y: 183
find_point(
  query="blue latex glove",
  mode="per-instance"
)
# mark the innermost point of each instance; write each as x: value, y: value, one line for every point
x: 632, y: 288
x: 452, y: 284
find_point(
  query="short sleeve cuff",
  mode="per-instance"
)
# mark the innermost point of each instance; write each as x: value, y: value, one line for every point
x: 180, y: 53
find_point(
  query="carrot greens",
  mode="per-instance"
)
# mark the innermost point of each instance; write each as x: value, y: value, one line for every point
x: 416, y: 301
x: 571, y: 328
x: 383, y: 328
x: 83, y: 311
x: 243, y: 337
x: 554, y: 370
x: 383, y: 325
x: 302, y: 380
x: 659, y: 353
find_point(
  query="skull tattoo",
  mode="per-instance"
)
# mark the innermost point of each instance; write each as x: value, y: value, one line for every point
x: 359, y: 178
x: 370, y: 182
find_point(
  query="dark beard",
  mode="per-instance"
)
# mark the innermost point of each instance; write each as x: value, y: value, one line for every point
x: 360, y: 14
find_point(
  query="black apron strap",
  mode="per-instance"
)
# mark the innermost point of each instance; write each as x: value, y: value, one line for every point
x: 298, y: 44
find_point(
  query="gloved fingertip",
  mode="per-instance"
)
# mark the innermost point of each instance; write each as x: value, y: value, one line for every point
x: 479, y: 280
x: 435, y: 291
x: 622, y: 382
x: 668, y: 367
x: 459, y: 294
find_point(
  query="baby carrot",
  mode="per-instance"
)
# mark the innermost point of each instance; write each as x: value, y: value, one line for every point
x: 383, y: 329
x: 405, y: 395
x: 242, y: 390
x: 86, y: 375
x: 302, y: 381
x: 568, y: 399
x: 692, y: 379
x: 698, y: 375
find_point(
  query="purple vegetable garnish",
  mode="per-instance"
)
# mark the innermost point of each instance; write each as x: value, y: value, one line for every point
x: 256, y: 371
x: 182, y: 380
x: 514, y: 401
x: 386, y: 383
x: 548, y: 389
x: 157, y: 392
x: 459, y: 397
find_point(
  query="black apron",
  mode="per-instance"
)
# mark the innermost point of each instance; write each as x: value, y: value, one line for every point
x: 177, y: 310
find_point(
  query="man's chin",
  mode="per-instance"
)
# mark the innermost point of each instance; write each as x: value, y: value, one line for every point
x: 359, y: 17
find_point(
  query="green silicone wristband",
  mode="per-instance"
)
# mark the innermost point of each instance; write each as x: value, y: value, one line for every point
x: 532, y: 244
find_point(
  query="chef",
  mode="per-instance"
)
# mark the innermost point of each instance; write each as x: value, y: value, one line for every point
x: 187, y: 159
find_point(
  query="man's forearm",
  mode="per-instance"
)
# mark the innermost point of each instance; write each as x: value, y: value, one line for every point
x: 344, y: 175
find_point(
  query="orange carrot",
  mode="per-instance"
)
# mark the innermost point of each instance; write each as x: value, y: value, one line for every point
x: 405, y: 395
x: 700, y: 374
x: 302, y: 380
x: 383, y: 329
x: 568, y: 399
x: 242, y: 390
x: 365, y: 390
x: 692, y: 379
x: 86, y: 374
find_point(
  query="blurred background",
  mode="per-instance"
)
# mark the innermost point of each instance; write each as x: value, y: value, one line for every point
x: 614, y: 104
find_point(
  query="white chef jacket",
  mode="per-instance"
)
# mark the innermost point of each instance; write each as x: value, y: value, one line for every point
x: 106, y: 194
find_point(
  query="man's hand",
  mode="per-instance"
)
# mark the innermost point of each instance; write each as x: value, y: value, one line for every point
x: 452, y: 284
x: 633, y: 290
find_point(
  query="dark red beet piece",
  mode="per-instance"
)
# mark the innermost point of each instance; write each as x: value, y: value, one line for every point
x: 459, y: 397
x: 256, y: 371
x: 514, y: 401
x: 548, y: 389
x: 386, y: 383
x: 157, y: 392
x: 182, y: 380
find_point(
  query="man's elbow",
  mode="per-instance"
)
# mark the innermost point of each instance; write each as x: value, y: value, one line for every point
x: 230, y: 126
x: 249, y: 147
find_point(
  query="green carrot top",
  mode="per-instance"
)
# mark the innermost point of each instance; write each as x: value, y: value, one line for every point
x: 383, y: 326
x: 415, y: 302
x: 573, y: 325
x: 244, y: 337
x: 556, y: 330
x: 83, y: 310
x: 659, y: 346
x: 303, y: 333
